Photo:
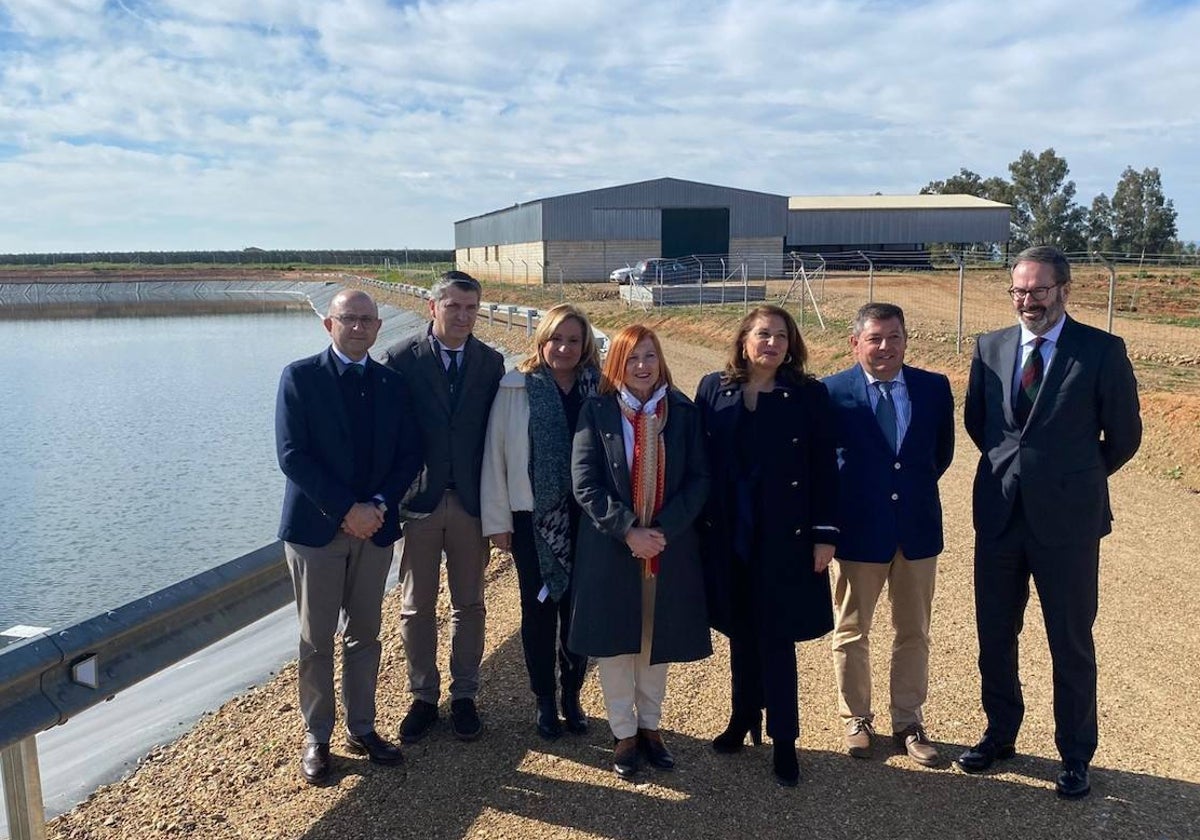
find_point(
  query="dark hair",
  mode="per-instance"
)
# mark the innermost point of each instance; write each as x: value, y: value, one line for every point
x: 619, y: 351
x: 457, y: 279
x: 1048, y: 255
x: 736, y: 366
x: 878, y: 312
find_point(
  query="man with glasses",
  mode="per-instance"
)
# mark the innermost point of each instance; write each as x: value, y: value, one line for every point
x: 349, y: 451
x: 458, y: 376
x: 1052, y: 406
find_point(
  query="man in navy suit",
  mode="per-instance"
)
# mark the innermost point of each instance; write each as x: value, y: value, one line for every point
x: 895, y: 439
x: 349, y: 451
x: 1052, y: 405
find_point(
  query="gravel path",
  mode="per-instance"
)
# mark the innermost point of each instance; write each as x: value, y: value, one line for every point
x: 235, y: 775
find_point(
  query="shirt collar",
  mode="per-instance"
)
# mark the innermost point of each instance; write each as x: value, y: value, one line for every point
x: 647, y: 407
x: 346, y: 360
x: 899, y: 380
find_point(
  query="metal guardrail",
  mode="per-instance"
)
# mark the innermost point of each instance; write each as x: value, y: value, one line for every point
x: 46, y: 680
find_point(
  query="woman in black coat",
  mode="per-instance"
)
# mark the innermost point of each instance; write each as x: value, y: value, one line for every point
x: 768, y: 526
x: 640, y: 476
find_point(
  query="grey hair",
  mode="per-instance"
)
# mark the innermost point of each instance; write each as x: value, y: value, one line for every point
x: 1051, y: 256
x: 878, y: 312
x: 457, y: 280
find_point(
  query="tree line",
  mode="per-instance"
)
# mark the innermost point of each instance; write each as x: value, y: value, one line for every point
x: 1138, y: 219
x: 248, y: 256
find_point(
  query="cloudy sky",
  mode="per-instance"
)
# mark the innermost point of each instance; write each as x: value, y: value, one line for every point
x: 221, y: 124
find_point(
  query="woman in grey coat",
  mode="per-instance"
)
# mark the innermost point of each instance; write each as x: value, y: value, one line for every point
x: 640, y: 475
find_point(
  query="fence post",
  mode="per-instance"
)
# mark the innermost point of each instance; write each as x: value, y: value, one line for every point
x: 23, y: 790
x: 958, y: 339
x: 1112, y: 288
x: 870, y: 277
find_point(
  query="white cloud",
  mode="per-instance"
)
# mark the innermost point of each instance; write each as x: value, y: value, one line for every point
x: 363, y: 123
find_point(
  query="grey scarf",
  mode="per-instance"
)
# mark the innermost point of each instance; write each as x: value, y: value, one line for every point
x: 550, y: 474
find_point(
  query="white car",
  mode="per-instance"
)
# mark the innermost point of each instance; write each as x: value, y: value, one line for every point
x: 622, y: 276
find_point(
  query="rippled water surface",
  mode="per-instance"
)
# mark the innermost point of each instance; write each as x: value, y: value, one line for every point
x: 135, y: 452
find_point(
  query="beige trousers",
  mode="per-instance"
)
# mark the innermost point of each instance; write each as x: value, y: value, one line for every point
x: 856, y: 590
x: 452, y: 530
x: 633, y: 688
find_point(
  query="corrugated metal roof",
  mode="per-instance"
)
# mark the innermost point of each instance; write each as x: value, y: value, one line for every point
x: 890, y: 202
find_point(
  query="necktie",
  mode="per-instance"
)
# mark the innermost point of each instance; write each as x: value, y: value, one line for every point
x: 1031, y: 381
x: 354, y: 371
x: 452, y: 370
x: 885, y: 413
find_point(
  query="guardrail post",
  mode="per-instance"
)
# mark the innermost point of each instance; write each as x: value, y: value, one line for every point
x: 492, y: 307
x: 512, y: 314
x: 23, y: 790
x: 530, y: 315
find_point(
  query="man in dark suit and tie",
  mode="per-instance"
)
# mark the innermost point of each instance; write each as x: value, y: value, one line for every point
x: 1052, y: 405
x: 895, y: 439
x: 457, y: 377
x: 349, y: 451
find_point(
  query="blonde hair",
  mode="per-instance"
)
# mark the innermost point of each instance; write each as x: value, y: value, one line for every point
x: 549, y: 324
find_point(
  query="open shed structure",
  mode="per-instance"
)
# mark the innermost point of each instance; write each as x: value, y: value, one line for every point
x: 584, y: 236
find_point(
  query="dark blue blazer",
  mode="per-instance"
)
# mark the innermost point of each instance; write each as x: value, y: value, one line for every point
x: 889, y: 500
x: 316, y: 453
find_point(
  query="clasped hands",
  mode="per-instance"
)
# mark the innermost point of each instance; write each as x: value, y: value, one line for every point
x: 363, y: 520
x: 645, y: 542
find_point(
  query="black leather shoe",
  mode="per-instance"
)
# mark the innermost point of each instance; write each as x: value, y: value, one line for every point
x: 464, y: 720
x: 576, y: 721
x: 416, y: 724
x: 1072, y: 781
x: 546, y: 719
x: 315, y: 764
x: 656, y: 752
x: 984, y: 754
x: 377, y: 750
x: 626, y: 758
x: 734, y: 736
x: 783, y: 761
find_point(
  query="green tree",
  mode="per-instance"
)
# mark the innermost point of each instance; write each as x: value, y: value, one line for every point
x: 967, y: 182
x: 1044, y: 202
x: 1100, y: 225
x: 1143, y: 217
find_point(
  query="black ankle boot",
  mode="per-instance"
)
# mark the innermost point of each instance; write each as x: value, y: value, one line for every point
x: 576, y: 720
x: 787, y: 768
x: 546, y: 718
x: 741, y: 724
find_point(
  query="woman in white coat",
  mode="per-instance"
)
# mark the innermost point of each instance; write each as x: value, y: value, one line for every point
x: 527, y: 504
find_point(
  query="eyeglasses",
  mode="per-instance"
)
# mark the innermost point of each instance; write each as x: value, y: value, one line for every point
x: 363, y: 321
x: 1038, y: 293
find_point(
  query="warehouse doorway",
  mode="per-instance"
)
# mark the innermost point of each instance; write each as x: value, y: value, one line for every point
x: 687, y: 231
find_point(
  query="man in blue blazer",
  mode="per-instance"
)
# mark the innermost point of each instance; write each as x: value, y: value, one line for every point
x: 1052, y: 405
x: 349, y: 451
x: 895, y: 439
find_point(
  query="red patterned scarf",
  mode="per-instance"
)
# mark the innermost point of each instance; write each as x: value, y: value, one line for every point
x: 649, y: 467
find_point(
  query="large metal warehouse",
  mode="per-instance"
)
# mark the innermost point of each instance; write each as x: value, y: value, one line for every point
x: 584, y: 236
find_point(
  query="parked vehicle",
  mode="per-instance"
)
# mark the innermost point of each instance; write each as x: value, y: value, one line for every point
x: 654, y: 270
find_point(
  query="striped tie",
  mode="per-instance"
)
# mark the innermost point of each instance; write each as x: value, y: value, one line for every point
x: 1031, y: 381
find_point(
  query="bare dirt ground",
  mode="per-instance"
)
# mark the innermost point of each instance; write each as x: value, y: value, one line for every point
x: 235, y: 775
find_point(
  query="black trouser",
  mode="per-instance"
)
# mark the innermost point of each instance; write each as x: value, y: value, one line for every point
x: 762, y: 665
x: 541, y: 619
x: 1067, y: 585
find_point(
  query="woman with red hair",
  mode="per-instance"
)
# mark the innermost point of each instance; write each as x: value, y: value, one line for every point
x: 639, y: 473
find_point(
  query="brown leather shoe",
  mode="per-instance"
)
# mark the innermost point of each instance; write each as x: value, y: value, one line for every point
x: 656, y: 752
x: 858, y: 737
x: 626, y: 759
x: 915, y: 742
